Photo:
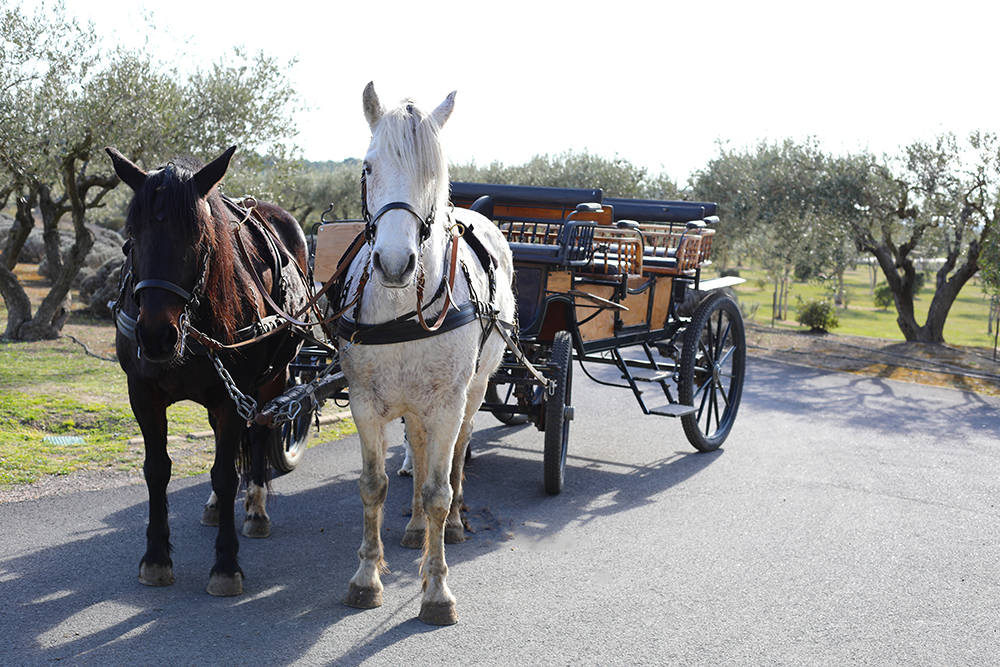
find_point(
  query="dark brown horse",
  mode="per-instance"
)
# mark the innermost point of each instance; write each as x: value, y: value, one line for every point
x: 194, y: 323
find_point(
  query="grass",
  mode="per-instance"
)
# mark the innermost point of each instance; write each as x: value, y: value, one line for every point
x: 54, y: 388
x: 966, y: 325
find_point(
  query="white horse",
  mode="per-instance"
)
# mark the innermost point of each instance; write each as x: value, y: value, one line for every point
x: 436, y: 381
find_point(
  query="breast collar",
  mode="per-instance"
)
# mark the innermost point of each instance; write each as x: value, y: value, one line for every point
x: 409, y: 327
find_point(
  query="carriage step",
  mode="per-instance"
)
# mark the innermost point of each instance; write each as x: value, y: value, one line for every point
x: 659, y: 377
x: 673, y: 410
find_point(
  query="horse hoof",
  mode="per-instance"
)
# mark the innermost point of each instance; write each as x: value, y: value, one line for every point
x: 438, y: 613
x: 454, y: 535
x: 363, y: 598
x: 257, y: 526
x: 210, y: 517
x: 412, y: 539
x: 156, y: 575
x: 225, y: 585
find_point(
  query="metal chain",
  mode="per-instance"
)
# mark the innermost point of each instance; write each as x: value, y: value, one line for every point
x: 246, y: 407
x: 291, y: 411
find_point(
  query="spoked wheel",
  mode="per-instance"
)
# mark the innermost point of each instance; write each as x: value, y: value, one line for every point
x: 712, y: 366
x: 289, y: 446
x: 504, y: 394
x: 558, y: 412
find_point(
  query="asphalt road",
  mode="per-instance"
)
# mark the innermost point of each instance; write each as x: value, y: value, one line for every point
x: 847, y: 521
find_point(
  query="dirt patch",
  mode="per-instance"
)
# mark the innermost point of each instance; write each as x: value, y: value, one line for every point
x: 938, y: 365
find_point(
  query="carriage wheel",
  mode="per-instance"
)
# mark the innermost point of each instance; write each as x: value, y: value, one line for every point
x: 712, y: 366
x: 288, y: 448
x: 493, y: 392
x: 557, y: 414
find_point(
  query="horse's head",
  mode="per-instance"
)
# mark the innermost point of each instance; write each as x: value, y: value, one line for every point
x: 405, y: 184
x: 169, y: 231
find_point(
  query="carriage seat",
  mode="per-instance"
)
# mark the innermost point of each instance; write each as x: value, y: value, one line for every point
x: 617, y: 251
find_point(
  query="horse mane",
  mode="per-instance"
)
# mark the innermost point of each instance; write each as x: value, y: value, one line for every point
x: 169, y: 194
x: 408, y: 136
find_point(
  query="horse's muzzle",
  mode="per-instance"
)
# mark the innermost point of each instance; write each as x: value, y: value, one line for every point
x: 394, y: 274
x: 159, y: 343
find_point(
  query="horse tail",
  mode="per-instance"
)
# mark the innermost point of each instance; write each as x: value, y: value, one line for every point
x: 254, y: 458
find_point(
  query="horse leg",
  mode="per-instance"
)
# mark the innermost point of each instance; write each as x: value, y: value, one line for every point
x: 210, y: 515
x: 257, y: 523
x: 406, y: 470
x: 226, y: 578
x: 365, y: 588
x: 416, y: 528
x: 454, y: 530
x: 262, y: 440
x: 437, y: 607
x: 156, y: 566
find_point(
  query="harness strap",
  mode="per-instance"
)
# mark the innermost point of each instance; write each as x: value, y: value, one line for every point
x: 402, y: 331
x: 163, y: 284
x: 258, y: 283
x: 448, y: 291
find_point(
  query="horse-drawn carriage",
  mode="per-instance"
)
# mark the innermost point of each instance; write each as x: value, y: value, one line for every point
x: 596, y: 278
x: 217, y: 298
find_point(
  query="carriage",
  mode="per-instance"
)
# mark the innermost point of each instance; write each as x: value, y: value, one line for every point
x: 217, y: 300
x: 603, y: 280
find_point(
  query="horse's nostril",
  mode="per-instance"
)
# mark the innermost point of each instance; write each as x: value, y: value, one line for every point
x: 376, y: 262
x: 411, y: 265
x: 157, y: 344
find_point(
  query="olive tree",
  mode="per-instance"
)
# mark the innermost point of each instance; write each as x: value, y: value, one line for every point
x: 937, y: 199
x: 768, y: 202
x: 617, y: 177
x: 65, y: 95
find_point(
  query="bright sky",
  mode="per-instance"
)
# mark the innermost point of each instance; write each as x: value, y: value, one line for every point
x: 658, y: 83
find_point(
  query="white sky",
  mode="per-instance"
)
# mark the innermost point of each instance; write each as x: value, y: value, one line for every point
x: 657, y: 82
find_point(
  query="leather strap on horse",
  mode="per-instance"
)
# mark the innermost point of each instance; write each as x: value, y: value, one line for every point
x: 253, y: 274
x: 450, y: 285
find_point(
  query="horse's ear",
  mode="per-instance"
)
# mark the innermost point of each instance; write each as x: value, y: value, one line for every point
x: 210, y: 175
x: 373, y: 108
x: 130, y: 174
x: 443, y: 112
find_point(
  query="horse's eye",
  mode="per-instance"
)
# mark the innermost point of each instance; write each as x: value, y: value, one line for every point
x: 367, y: 167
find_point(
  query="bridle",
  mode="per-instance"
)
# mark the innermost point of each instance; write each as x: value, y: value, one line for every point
x: 191, y: 299
x: 371, y: 221
x: 448, y: 281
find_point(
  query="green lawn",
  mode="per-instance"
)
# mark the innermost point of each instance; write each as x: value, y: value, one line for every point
x: 966, y: 325
x: 52, y: 389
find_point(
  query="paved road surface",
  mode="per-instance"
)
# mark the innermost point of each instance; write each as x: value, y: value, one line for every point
x: 848, y: 521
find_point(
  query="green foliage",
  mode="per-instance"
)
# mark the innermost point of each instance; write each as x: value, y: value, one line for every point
x: 818, y: 315
x: 989, y: 263
x: 617, y: 177
x: 801, y: 212
x: 66, y: 94
x: 318, y: 186
x: 883, y: 296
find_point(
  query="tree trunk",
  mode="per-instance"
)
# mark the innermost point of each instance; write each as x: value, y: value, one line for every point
x: 24, y: 222
x: 55, y: 308
x: 14, y: 296
x: 50, y: 230
x: 839, y: 299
